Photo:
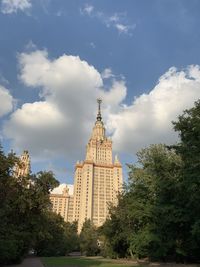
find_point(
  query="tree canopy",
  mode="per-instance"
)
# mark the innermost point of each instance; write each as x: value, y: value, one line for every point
x: 89, y: 239
x: 26, y: 219
x: 158, y: 215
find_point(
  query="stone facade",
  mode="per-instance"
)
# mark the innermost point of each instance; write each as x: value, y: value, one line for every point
x: 23, y: 168
x: 97, y: 180
x: 63, y: 204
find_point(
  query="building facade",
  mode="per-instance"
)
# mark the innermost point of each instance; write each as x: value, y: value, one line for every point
x: 97, y: 181
x: 23, y: 167
x: 63, y: 204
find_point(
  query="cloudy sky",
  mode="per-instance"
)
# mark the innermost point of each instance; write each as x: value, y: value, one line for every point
x: 56, y: 57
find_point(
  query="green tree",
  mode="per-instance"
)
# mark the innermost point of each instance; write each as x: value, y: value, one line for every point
x: 158, y: 215
x: 89, y: 239
x: 146, y: 219
x: 24, y: 203
x: 155, y: 190
x: 188, y: 127
x: 116, y: 230
x: 9, y: 245
x: 71, y: 233
x: 58, y: 237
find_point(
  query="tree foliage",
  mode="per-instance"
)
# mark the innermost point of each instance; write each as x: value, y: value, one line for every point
x: 158, y: 215
x: 89, y: 239
x: 59, y: 237
x: 142, y: 223
x: 188, y: 127
x: 26, y: 219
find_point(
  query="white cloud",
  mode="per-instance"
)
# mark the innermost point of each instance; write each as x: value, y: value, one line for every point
x: 114, y: 96
x: 87, y: 9
x: 118, y: 21
x: 6, y: 101
x: 121, y: 28
x: 35, y: 125
x: 38, y: 70
x: 13, y: 6
x: 3, y: 80
x: 107, y: 73
x: 114, y: 18
x: 30, y: 46
x: 148, y: 119
x: 59, y: 124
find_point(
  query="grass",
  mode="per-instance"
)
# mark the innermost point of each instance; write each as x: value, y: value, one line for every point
x: 83, y: 261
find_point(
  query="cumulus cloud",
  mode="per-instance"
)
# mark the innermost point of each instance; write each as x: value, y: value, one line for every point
x: 13, y: 6
x: 59, y: 124
x: 6, y: 101
x: 113, y: 97
x: 148, y: 119
x: 35, y: 125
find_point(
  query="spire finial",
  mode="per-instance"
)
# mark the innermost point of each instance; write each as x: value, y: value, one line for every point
x: 99, y: 101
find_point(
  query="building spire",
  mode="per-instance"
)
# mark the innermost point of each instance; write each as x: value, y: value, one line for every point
x: 99, y: 101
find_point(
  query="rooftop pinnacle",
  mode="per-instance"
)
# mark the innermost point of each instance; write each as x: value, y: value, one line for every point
x: 99, y: 101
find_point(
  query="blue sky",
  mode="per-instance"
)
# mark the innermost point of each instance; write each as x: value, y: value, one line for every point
x: 56, y: 57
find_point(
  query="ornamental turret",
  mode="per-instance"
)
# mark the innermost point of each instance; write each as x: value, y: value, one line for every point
x: 23, y: 167
x: 99, y: 147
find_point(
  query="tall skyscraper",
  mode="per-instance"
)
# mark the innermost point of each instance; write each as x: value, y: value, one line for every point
x: 98, y: 179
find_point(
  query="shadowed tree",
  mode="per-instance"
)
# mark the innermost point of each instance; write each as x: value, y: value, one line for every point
x: 144, y: 222
x: 24, y: 204
x: 188, y: 126
x: 89, y: 239
x: 158, y: 215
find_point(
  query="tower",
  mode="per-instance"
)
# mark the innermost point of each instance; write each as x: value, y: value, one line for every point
x: 23, y: 167
x: 97, y: 180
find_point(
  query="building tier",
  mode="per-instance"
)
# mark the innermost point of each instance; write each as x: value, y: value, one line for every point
x: 97, y: 180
